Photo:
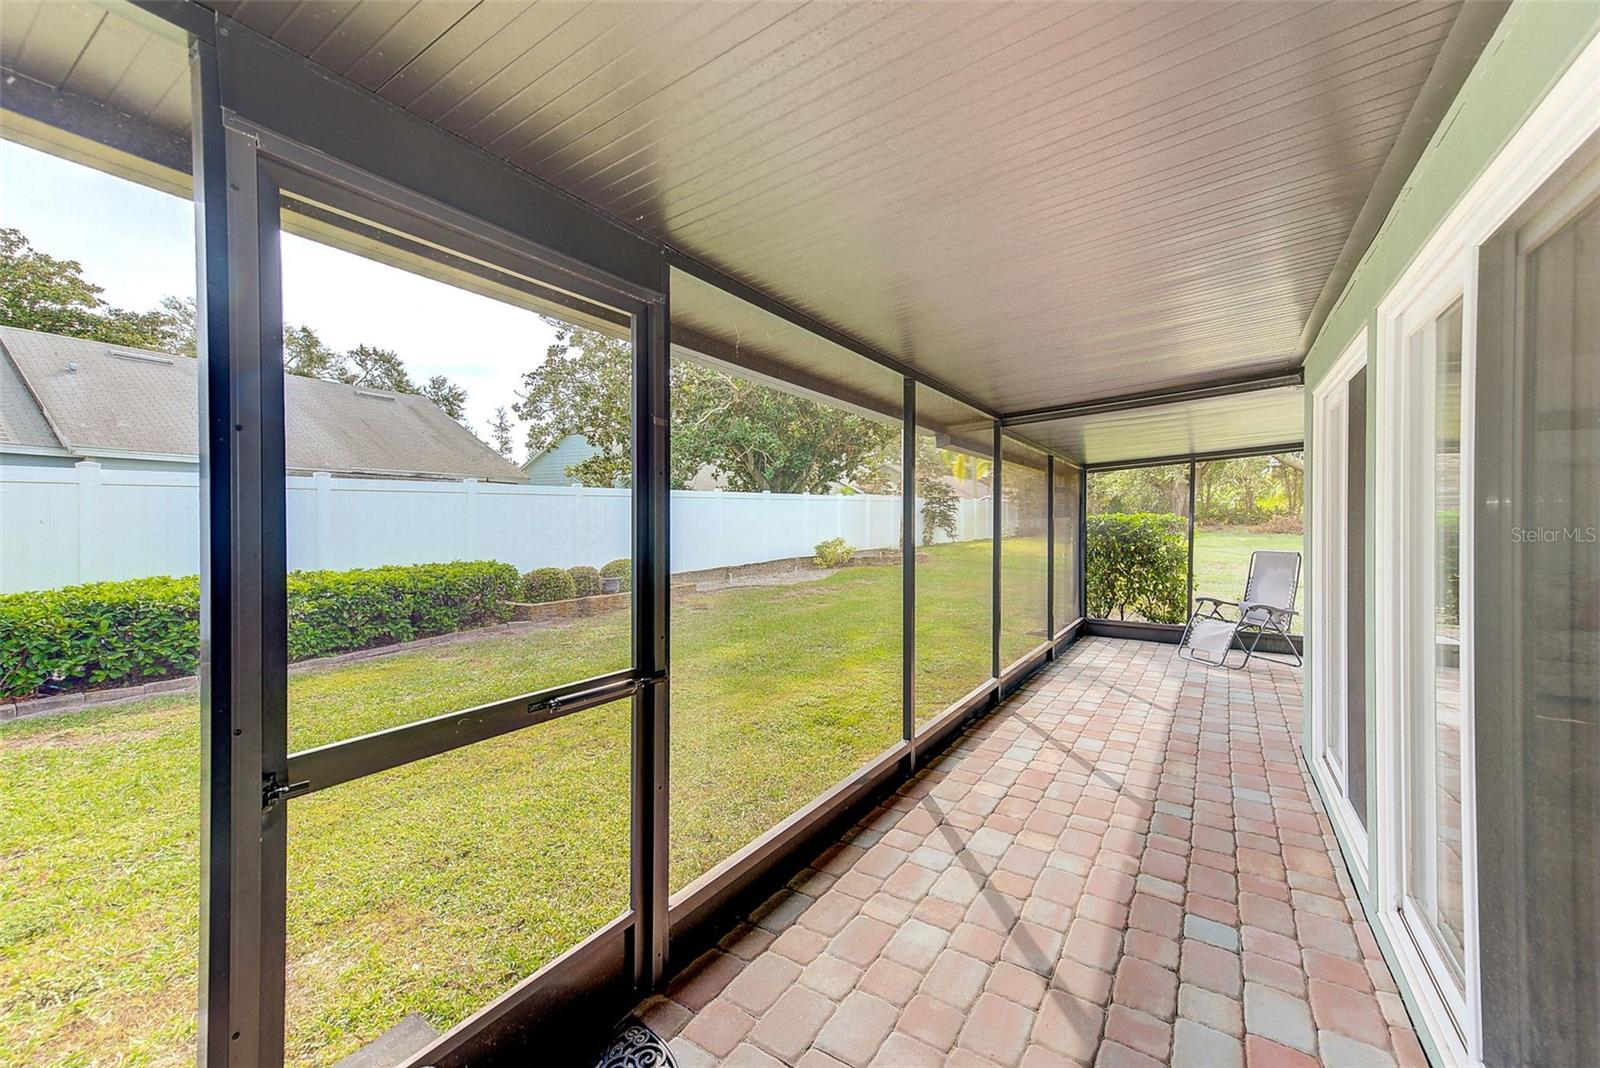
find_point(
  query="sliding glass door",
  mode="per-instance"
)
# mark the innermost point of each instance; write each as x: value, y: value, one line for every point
x: 1538, y: 623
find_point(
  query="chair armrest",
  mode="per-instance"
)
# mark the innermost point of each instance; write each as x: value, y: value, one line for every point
x: 1216, y: 601
x: 1285, y: 614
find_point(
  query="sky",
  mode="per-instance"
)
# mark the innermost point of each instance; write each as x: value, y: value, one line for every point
x: 138, y: 245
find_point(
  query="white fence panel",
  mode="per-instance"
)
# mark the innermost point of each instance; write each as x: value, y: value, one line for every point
x: 61, y: 526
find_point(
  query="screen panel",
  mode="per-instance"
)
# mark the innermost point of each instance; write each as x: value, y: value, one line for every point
x: 459, y: 463
x: 1068, y: 499
x: 1024, y: 551
x: 787, y: 584
x: 1138, y: 543
x: 1242, y: 505
x: 99, y: 542
x: 955, y: 558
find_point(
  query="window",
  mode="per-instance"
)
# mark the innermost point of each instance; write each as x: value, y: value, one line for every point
x: 1425, y: 776
x: 1337, y: 686
x: 1432, y: 770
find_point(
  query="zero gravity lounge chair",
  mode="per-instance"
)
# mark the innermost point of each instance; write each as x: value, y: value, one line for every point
x: 1220, y: 627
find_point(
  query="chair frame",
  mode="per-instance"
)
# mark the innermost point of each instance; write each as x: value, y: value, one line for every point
x: 1254, y: 620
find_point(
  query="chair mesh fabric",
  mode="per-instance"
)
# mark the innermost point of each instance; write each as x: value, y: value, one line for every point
x: 1212, y: 638
x: 1273, y: 577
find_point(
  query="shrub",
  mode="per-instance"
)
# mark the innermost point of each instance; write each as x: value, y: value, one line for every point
x: 100, y: 633
x: 548, y: 584
x: 622, y: 569
x: 338, y: 611
x: 1282, y: 523
x: 832, y: 553
x: 120, y: 633
x: 1138, y: 565
x: 585, y: 580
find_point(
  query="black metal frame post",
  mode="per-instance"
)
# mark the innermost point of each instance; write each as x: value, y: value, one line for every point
x: 244, y: 633
x: 651, y: 703
x: 1050, y: 551
x: 908, y: 569
x: 225, y: 932
x: 996, y: 519
x: 1083, y: 542
x: 1189, y: 580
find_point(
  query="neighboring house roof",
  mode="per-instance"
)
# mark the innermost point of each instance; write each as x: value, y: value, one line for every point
x: 86, y: 398
x: 549, y: 468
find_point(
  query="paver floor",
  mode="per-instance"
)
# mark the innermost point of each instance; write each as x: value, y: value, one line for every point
x: 1125, y: 865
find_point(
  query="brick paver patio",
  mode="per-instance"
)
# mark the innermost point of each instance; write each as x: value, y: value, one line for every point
x: 1123, y: 866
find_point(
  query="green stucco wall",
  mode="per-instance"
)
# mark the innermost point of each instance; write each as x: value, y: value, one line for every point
x: 1534, y: 45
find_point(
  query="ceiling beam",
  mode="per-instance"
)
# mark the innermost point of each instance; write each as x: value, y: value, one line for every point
x: 1157, y: 398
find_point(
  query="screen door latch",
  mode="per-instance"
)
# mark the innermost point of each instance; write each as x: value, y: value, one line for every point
x: 274, y: 790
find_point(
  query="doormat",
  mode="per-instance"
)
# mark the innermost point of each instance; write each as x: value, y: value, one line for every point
x: 636, y: 1046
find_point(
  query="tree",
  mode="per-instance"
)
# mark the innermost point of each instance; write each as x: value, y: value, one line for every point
x: 941, y: 507
x: 40, y: 292
x: 755, y: 437
x: 375, y: 368
x: 451, y: 398
x: 584, y: 386
x: 307, y: 355
x: 500, y: 432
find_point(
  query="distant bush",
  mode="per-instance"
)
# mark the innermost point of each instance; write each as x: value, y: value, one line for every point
x: 544, y: 584
x: 121, y: 633
x: 620, y: 569
x: 1138, y: 565
x: 585, y: 580
x: 834, y: 552
x: 1284, y: 523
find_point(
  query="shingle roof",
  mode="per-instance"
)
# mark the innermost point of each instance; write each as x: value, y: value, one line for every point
x: 107, y: 399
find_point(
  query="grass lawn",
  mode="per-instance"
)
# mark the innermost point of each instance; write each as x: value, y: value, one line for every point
x: 430, y: 888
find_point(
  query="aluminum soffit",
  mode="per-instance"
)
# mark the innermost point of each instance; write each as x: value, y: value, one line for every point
x: 1216, y: 424
x: 1034, y: 202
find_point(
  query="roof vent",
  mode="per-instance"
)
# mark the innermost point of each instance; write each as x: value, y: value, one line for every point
x: 375, y: 395
x: 141, y: 357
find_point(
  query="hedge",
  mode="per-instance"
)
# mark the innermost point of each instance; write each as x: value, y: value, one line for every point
x: 122, y: 633
x: 1137, y: 564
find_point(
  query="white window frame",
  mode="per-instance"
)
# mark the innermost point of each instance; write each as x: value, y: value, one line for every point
x: 1330, y: 601
x: 1447, y: 267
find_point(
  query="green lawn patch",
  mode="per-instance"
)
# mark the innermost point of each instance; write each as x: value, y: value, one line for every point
x: 433, y: 887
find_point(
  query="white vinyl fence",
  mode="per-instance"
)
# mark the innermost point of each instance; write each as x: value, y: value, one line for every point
x: 87, y: 523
